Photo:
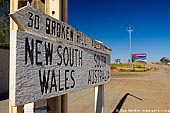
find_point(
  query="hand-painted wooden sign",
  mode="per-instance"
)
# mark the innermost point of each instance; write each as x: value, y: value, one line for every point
x: 47, y: 68
x: 33, y: 21
x: 52, y: 58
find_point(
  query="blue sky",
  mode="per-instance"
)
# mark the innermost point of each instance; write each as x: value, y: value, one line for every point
x: 106, y: 20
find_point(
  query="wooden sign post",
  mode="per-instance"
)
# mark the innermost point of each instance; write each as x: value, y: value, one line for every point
x: 49, y: 7
x: 51, y: 58
x: 12, y: 109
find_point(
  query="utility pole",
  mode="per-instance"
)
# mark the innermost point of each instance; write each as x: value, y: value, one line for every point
x: 130, y: 30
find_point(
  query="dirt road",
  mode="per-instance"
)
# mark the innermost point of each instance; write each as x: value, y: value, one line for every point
x: 129, y: 93
x: 147, y: 92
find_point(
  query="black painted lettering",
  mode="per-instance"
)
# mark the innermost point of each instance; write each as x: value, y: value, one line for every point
x: 71, y: 35
x: 93, y: 76
x: 100, y: 61
x: 71, y: 57
x: 31, y: 20
x: 65, y: 56
x: 80, y: 58
x: 95, y: 60
x: 48, y: 53
x: 63, y: 31
x: 108, y: 74
x: 66, y: 79
x: 48, y: 21
x: 93, y: 43
x: 72, y: 78
x: 60, y: 88
x: 36, y: 22
x: 44, y: 82
x: 89, y: 78
x: 29, y: 50
x: 82, y: 39
x: 98, y: 58
x: 97, y: 75
x: 60, y: 56
x: 53, y: 28
x: 104, y: 61
x: 58, y: 30
x: 53, y: 82
x: 100, y: 75
x: 76, y: 50
x: 38, y: 42
x: 67, y: 33
x: 78, y: 38
x: 85, y: 40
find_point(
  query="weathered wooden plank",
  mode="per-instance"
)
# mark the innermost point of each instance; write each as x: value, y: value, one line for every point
x: 33, y: 21
x: 46, y: 68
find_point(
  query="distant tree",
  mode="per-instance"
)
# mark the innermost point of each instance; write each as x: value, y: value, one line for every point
x: 128, y: 61
x: 117, y: 61
x: 4, y: 20
x: 164, y: 60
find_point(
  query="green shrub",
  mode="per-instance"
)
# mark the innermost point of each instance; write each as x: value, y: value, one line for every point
x: 138, y: 66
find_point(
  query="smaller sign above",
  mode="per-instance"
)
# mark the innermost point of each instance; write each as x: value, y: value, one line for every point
x: 33, y: 21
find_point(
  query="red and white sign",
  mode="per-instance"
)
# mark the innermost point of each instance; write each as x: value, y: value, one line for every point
x: 139, y: 54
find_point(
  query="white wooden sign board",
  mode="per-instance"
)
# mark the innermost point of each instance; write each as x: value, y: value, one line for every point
x: 46, y: 66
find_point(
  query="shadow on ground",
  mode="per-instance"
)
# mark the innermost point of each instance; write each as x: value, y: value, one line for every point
x: 120, y: 104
